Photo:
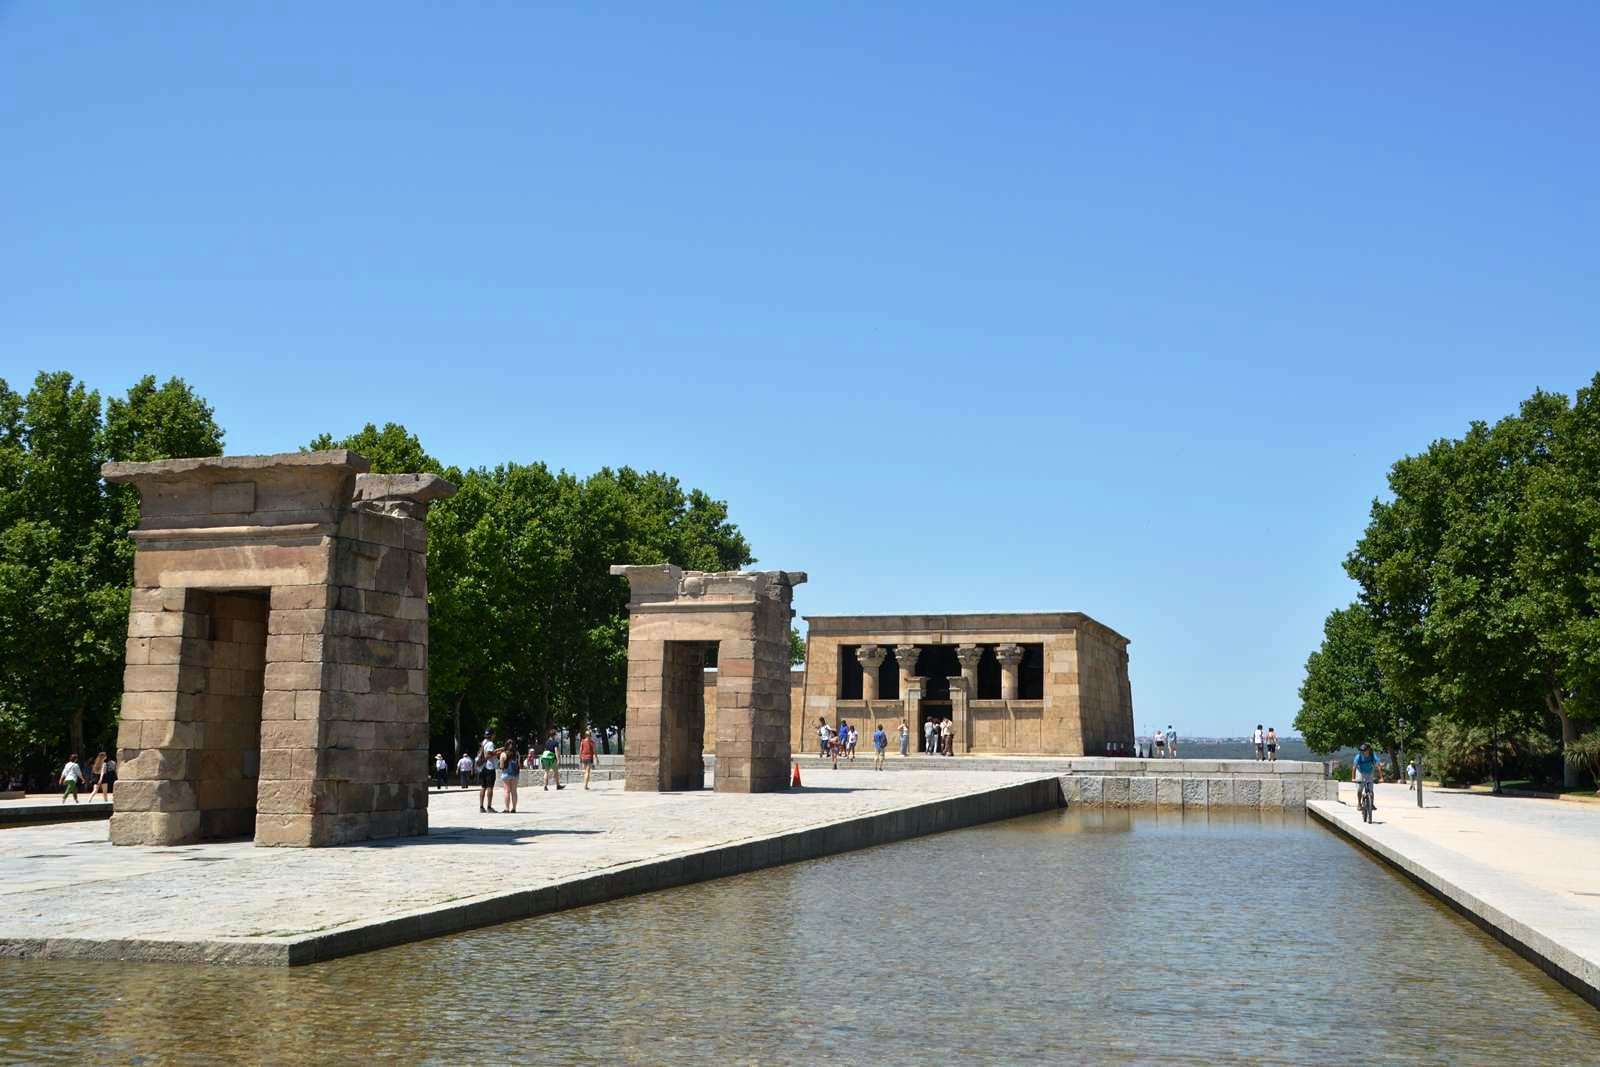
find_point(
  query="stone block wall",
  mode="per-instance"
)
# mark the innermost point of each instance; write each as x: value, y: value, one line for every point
x: 1286, y: 791
x: 1105, y: 700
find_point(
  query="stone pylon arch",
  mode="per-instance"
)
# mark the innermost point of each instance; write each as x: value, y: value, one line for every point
x: 674, y: 617
x: 276, y: 679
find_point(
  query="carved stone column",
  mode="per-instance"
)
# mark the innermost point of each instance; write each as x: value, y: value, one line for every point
x: 905, y: 657
x: 1009, y: 656
x: 871, y: 658
x: 968, y: 656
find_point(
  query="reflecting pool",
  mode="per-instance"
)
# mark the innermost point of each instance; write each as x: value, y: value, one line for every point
x: 1077, y: 936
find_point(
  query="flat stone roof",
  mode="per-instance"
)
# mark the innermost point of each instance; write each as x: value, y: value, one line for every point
x: 959, y: 622
x: 121, y: 471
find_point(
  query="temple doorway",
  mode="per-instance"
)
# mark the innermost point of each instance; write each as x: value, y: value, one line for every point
x: 938, y: 711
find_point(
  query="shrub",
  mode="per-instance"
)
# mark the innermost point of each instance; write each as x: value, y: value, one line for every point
x: 1462, y: 755
x: 1585, y: 753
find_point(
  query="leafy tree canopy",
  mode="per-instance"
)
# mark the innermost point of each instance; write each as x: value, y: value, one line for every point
x: 65, y: 559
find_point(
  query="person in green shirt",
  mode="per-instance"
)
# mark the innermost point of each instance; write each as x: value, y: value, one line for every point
x: 547, y: 764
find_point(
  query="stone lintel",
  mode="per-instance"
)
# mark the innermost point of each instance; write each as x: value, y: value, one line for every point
x: 225, y: 493
x: 666, y: 584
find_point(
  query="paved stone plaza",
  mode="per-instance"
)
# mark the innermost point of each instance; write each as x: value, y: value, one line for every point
x: 1528, y: 868
x: 231, y: 902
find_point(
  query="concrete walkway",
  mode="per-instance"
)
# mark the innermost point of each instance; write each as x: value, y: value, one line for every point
x: 1527, y: 870
x: 68, y: 893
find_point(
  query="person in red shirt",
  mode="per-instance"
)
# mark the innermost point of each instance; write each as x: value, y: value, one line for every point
x: 586, y: 756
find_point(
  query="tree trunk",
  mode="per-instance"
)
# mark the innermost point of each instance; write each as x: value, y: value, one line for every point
x: 1569, y: 733
x: 1394, y: 765
x: 459, y: 699
x: 75, y: 731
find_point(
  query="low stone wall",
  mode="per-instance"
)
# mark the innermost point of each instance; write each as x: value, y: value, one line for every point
x: 1287, y: 792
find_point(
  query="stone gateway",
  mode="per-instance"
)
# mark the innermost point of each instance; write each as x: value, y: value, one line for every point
x: 277, y: 654
x: 674, y: 618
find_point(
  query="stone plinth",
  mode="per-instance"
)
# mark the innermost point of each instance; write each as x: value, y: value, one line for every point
x: 276, y: 677
x: 673, y: 618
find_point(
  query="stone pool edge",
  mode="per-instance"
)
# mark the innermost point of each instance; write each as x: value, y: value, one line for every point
x: 1571, y: 969
x: 644, y: 876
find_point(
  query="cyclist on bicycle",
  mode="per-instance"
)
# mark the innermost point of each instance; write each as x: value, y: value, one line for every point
x: 1365, y: 764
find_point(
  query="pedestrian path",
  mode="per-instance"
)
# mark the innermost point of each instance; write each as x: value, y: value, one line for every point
x: 1527, y: 869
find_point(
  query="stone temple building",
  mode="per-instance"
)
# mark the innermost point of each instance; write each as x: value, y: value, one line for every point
x: 1053, y: 683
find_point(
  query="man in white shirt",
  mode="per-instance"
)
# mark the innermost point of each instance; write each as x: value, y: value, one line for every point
x: 488, y: 766
x: 70, y: 777
x: 1260, y: 739
x: 824, y: 735
x: 464, y: 768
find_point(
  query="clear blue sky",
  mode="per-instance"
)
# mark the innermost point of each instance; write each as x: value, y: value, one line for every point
x: 1121, y: 309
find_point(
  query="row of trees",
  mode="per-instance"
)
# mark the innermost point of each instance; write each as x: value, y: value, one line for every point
x: 65, y: 559
x: 528, y: 628
x: 1479, y: 606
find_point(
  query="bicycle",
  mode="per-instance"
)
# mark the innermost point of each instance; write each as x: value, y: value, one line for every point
x: 1364, y: 799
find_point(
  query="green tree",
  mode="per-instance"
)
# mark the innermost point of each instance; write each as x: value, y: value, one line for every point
x: 1343, y: 700
x: 65, y: 560
x: 528, y: 629
x: 797, y: 648
x: 1481, y: 573
x: 391, y: 450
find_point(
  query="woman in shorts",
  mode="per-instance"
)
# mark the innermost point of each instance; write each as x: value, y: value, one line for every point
x: 105, y: 776
x: 586, y: 756
x: 510, y: 770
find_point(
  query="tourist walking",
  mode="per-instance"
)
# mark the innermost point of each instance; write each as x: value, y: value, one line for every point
x: 1172, y: 742
x: 464, y: 770
x: 880, y: 744
x: 548, y: 764
x: 1261, y: 742
x: 1158, y: 743
x: 510, y: 777
x: 488, y: 764
x: 929, y: 729
x: 905, y: 739
x: 586, y: 756
x: 1411, y: 774
x: 852, y: 744
x: 824, y: 738
x: 1272, y: 744
x: 69, y: 778
x: 105, y: 776
x: 441, y: 769
x: 946, y: 728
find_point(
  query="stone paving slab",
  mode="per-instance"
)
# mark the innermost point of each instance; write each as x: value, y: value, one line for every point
x: 67, y: 892
x: 1527, y: 870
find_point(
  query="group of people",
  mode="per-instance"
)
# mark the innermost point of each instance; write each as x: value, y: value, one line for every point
x: 839, y: 742
x: 503, y: 765
x: 1266, y: 743
x: 1164, y: 743
x: 102, y: 775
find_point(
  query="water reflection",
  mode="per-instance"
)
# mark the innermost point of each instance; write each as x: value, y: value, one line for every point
x: 1088, y: 935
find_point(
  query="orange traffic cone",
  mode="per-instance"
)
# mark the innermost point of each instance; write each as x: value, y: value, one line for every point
x: 794, y: 783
